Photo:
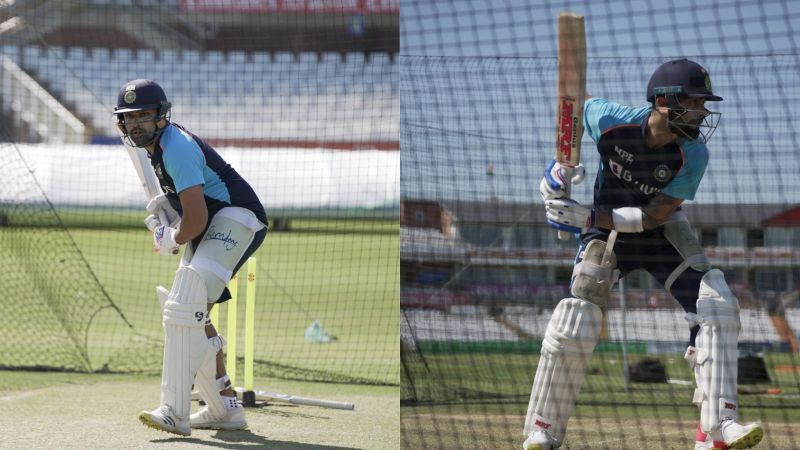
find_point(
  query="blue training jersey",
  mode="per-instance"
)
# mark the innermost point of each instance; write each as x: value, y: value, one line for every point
x: 182, y: 160
x: 630, y: 172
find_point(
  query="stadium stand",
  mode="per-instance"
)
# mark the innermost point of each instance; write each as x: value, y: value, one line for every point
x: 212, y: 91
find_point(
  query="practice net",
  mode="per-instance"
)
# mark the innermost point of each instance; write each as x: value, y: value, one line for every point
x: 481, y: 271
x: 301, y: 98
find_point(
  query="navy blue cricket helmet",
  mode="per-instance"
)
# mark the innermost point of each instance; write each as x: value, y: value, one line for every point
x: 141, y: 95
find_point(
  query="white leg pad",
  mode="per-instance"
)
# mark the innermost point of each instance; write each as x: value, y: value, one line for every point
x: 716, y: 356
x: 569, y: 341
x: 185, y: 341
x: 206, y: 380
x: 162, y: 294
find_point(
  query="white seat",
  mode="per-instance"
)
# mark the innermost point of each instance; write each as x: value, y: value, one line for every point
x: 237, y: 57
x: 283, y: 57
x: 355, y: 58
x: 122, y: 54
x: 168, y: 55
x: 101, y: 54
x: 330, y: 58
x: 190, y: 57
x: 261, y: 59
x: 145, y: 55
x: 215, y: 57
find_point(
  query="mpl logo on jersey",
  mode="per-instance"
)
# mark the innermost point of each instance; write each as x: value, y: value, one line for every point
x: 616, y: 168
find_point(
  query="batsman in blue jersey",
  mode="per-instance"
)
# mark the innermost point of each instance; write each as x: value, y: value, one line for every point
x: 215, y: 213
x: 652, y: 159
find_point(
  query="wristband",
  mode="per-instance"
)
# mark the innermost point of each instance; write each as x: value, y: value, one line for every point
x: 627, y: 220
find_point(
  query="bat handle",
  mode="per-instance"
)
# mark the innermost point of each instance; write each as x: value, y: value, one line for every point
x: 566, y: 235
x: 321, y: 403
x: 162, y: 217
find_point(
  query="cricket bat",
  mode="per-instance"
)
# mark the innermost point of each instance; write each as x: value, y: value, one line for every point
x: 571, y: 93
x: 295, y: 400
x: 147, y: 177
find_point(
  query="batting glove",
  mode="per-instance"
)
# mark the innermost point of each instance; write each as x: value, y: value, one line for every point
x: 164, y: 241
x: 569, y: 215
x: 555, y: 176
x: 160, y: 203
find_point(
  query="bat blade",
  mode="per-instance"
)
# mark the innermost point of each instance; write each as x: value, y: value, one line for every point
x: 147, y: 176
x: 145, y: 172
x: 570, y: 94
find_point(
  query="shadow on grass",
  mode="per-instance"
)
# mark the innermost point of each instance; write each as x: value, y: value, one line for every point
x: 245, y: 439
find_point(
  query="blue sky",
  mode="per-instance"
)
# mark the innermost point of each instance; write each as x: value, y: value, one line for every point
x: 477, y: 82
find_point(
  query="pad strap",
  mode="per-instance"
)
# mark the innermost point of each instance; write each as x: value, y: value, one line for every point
x: 698, y: 259
x: 241, y: 215
x: 209, y: 265
x: 223, y: 382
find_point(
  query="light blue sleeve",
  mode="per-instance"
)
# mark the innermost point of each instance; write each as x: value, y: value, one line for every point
x: 695, y: 161
x: 600, y: 114
x: 183, y: 160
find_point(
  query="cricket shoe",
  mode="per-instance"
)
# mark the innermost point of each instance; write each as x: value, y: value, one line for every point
x: 164, y: 419
x: 539, y: 440
x: 233, y: 420
x: 703, y: 442
x: 739, y: 436
x: 731, y: 435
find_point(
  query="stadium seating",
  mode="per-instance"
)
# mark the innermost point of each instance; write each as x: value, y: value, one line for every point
x: 220, y: 95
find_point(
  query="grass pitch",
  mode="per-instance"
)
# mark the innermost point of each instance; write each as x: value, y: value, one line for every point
x: 343, y: 273
x: 478, y: 400
x: 79, y: 411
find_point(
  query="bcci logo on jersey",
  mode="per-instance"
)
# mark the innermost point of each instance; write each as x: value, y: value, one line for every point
x: 662, y: 173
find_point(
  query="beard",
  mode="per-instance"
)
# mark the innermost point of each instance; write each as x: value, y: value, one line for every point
x: 681, y: 127
x: 140, y: 137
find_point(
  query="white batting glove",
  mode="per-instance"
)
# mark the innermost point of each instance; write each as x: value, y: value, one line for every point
x: 152, y: 222
x: 160, y: 203
x: 164, y: 241
x: 569, y: 215
x: 555, y: 176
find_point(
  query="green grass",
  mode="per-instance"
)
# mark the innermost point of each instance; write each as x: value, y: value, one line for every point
x: 480, y: 400
x: 78, y: 411
x: 344, y: 273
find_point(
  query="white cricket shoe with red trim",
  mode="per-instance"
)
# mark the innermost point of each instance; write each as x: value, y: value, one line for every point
x: 731, y: 435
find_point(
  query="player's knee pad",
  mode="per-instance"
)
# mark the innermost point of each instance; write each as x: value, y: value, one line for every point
x: 223, y: 245
x: 680, y: 234
x: 567, y: 347
x: 185, y: 341
x: 715, y: 358
x: 592, y: 278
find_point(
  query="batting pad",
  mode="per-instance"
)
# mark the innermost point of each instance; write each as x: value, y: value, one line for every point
x: 229, y: 234
x: 715, y: 364
x: 567, y: 347
x: 185, y: 341
x: 206, y: 379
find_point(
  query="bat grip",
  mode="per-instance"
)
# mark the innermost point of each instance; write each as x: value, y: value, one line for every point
x: 162, y: 217
x: 566, y: 235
